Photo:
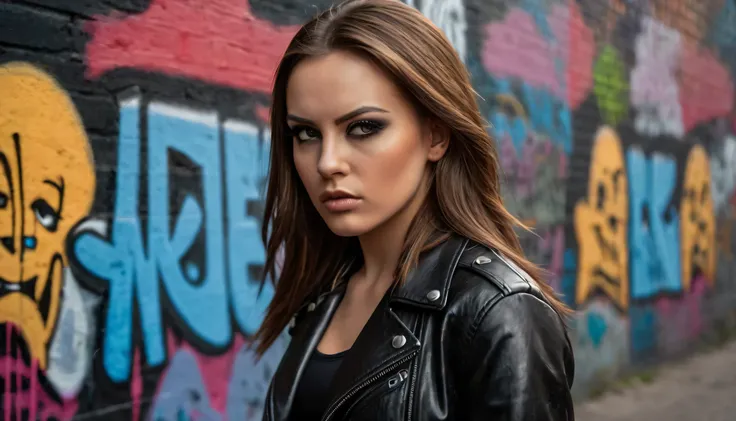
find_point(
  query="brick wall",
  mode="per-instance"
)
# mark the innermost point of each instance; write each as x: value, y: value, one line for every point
x: 133, y: 139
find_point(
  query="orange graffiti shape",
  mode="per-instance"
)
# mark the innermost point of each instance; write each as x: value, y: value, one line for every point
x: 697, y: 220
x: 47, y: 183
x: 601, y: 222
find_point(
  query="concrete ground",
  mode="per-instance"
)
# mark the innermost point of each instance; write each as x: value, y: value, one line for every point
x: 702, y: 388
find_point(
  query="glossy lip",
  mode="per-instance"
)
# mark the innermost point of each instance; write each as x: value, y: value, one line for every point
x: 336, y: 194
x: 339, y: 200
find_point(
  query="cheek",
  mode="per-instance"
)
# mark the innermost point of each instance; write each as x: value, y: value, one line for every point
x: 396, y: 170
x: 306, y: 168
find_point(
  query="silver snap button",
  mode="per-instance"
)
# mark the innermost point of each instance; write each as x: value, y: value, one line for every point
x: 311, y: 306
x: 292, y: 323
x: 482, y: 260
x: 433, y: 295
x: 398, y: 341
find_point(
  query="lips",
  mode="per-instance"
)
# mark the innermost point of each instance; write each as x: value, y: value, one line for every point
x: 336, y: 195
x: 25, y: 391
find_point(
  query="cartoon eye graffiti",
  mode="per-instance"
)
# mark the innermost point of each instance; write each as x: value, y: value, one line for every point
x: 45, y: 215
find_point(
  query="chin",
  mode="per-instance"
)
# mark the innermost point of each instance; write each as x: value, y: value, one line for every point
x: 347, y: 225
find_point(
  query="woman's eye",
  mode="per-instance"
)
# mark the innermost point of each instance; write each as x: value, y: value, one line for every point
x: 364, y: 128
x: 304, y: 134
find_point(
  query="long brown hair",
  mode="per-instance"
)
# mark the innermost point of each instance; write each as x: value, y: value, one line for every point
x: 464, y: 195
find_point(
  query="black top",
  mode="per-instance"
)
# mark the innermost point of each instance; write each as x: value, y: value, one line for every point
x: 312, y: 394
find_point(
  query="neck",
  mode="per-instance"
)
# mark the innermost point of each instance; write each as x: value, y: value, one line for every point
x: 382, y: 246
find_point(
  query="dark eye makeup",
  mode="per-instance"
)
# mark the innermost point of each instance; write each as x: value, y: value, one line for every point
x: 359, y: 129
x: 365, y: 128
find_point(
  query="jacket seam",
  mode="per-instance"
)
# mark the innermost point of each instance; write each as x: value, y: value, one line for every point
x: 492, y: 303
x: 513, y: 269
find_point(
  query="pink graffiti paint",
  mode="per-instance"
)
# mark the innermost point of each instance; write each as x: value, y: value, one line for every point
x: 508, y: 155
x: 211, y: 368
x: 580, y: 52
x: 554, y: 241
x: 219, y: 41
x: 6, y: 377
x: 527, y: 168
x: 703, y: 97
x: 136, y: 384
x: 28, y: 395
x: 514, y: 47
x: 681, y: 316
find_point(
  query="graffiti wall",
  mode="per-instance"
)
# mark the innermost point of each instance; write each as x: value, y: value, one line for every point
x: 133, y: 155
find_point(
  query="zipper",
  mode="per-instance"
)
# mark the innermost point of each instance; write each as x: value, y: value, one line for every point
x: 412, y: 384
x: 413, y: 381
x: 379, y: 390
x: 367, y: 383
x: 397, y: 379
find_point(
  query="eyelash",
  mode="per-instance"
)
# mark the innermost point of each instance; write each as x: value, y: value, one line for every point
x: 373, y: 126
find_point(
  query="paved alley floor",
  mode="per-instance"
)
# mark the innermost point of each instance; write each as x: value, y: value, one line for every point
x: 702, y: 388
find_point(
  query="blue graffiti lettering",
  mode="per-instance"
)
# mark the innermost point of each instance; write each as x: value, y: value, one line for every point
x: 545, y: 114
x: 200, y: 293
x: 654, y: 225
x: 246, y: 162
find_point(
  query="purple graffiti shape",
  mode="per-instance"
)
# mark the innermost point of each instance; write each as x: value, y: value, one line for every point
x: 182, y: 394
x: 249, y: 381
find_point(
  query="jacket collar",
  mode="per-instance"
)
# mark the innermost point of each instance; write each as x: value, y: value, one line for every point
x: 384, y: 342
x: 294, y: 361
x: 428, y: 284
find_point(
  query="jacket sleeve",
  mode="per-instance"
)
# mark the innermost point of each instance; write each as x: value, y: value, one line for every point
x: 521, y: 363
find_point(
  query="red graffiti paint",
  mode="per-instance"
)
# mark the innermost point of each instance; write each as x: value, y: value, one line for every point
x: 211, y: 367
x: 580, y: 56
x: 703, y: 97
x: 26, y: 384
x: 219, y: 41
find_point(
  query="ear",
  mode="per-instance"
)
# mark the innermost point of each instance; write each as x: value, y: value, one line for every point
x: 439, y: 137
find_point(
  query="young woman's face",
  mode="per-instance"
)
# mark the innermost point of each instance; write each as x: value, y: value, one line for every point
x: 360, y: 147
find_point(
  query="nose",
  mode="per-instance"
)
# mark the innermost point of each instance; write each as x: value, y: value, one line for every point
x: 332, y: 160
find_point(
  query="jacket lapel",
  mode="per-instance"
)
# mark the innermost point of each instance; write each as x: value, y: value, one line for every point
x: 384, y: 342
x: 387, y: 339
x: 306, y: 337
x: 428, y: 284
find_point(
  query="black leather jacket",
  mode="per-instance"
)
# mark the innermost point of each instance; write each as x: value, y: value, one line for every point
x: 468, y: 337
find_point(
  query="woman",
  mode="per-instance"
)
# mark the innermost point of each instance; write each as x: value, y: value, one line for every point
x: 407, y: 290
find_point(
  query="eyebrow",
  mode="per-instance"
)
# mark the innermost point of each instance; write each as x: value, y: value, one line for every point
x: 59, y: 187
x: 341, y: 119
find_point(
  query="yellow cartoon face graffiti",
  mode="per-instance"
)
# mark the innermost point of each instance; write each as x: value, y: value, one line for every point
x: 47, y: 184
x: 697, y: 220
x: 601, y: 224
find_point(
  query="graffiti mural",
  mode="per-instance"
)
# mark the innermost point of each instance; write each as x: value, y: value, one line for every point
x: 449, y: 16
x: 189, y: 280
x: 601, y: 224
x: 134, y: 146
x: 47, y: 184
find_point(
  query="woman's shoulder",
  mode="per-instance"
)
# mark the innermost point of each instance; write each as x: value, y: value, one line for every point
x: 491, y: 298
x: 480, y: 269
x: 484, y: 279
